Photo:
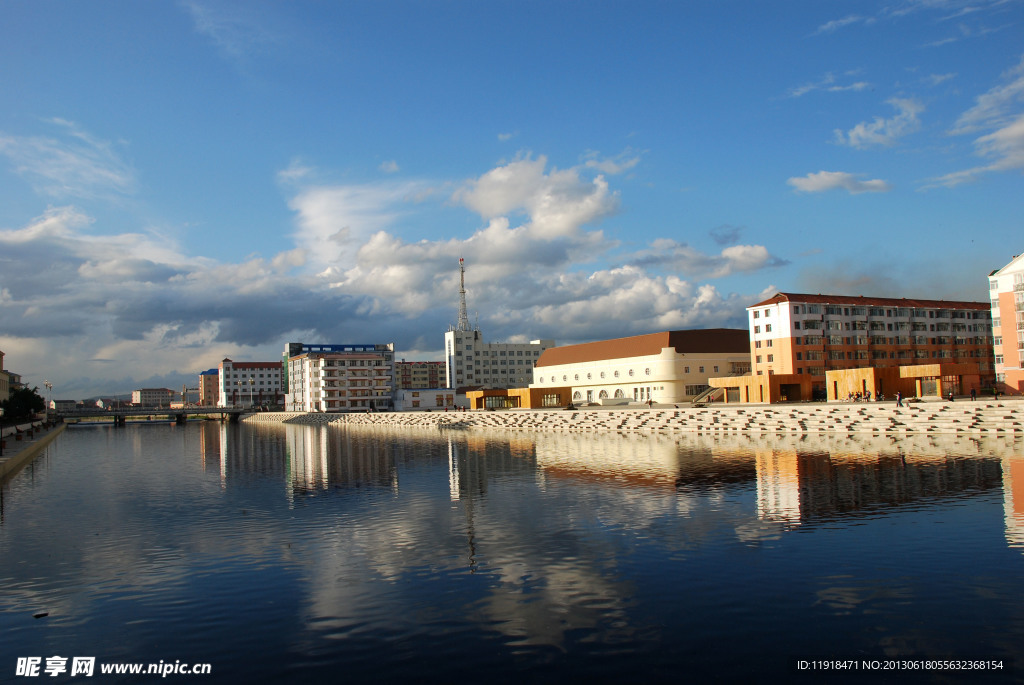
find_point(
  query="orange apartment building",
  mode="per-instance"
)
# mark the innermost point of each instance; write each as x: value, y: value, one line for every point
x: 806, y: 347
x: 1006, y: 291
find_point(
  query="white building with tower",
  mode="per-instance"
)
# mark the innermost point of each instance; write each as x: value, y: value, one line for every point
x: 472, y: 362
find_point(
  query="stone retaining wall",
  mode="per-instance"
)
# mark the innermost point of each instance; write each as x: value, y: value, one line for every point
x: 985, y: 418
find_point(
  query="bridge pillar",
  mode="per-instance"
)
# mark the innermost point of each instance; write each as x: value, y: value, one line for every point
x: 119, y: 419
x: 180, y: 419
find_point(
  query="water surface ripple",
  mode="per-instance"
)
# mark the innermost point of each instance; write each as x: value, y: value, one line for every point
x: 358, y: 554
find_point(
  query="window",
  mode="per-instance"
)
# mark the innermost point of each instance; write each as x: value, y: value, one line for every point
x: 796, y: 325
x: 716, y: 369
x: 701, y: 369
x: 647, y: 372
x: 616, y: 374
x: 771, y: 357
x: 631, y: 372
x: 757, y: 329
x: 768, y: 328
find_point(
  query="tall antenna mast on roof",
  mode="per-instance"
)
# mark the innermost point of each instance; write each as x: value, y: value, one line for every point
x: 463, y: 315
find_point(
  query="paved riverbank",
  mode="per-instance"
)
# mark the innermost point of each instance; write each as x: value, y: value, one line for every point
x: 19, y: 452
x: 1005, y: 416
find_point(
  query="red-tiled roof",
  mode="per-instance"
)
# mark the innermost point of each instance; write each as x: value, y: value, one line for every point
x: 733, y: 340
x: 860, y: 300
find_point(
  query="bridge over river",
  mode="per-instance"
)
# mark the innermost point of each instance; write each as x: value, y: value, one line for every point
x: 120, y: 416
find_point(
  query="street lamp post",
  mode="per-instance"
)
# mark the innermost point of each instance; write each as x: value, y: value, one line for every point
x: 252, y: 386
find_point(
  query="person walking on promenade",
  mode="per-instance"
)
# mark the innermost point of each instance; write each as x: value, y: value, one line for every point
x: 974, y: 394
x: 899, y: 399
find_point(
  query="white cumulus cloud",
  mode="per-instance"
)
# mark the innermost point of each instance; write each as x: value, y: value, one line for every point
x: 884, y: 131
x: 837, y: 180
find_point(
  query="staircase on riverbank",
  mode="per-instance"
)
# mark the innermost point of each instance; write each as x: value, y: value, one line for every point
x: 969, y: 418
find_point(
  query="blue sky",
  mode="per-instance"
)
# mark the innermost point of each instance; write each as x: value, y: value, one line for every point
x: 185, y: 181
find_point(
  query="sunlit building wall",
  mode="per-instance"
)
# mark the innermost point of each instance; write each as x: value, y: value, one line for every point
x: 666, y: 367
x: 1006, y: 294
x: 792, y: 333
x: 248, y: 383
x: 360, y: 379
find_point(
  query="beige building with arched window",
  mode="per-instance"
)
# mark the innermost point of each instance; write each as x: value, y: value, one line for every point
x: 664, y: 368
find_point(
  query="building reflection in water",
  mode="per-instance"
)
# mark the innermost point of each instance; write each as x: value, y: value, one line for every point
x: 798, y: 478
x: 1013, y: 498
x: 752, y: 487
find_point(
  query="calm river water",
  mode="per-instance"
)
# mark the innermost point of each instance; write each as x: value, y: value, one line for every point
x: 350, y: 555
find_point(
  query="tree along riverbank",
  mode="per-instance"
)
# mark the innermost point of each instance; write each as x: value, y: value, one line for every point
x: 1002, y: 417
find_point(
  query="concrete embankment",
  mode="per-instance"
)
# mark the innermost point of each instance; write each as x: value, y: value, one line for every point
x: 19, y: 451
x: 1003, y: 417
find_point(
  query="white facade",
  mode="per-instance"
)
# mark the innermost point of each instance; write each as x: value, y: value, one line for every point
x: 1006, y: 293
x: 664, y: 374
x: 249, y: 383
x: 432, y: 399
x: 469, y: 361
x: 154, y: 397
x: 342, y: 381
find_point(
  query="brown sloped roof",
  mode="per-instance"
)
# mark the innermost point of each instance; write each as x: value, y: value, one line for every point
x: 860, y: 300
x: 734, y: 340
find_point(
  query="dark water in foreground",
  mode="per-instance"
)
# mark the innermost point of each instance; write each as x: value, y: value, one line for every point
x: 326, y: 554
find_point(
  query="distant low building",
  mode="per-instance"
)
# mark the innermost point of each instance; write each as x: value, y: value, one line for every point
x: 188, y: 397
x: 413, y: 399
x: 154, y: 397
x: 63, y: 405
